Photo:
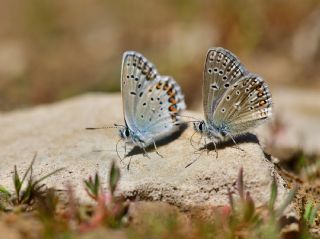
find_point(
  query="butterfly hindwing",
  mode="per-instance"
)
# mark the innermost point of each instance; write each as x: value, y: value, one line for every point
x: 222, y: 69
x: 158, y: 109
x: 244, y: 105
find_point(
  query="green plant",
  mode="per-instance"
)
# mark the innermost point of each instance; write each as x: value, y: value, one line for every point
x: 93, y: 187
x: 243, y: 219
x: 26, y: 189
x: 110, y: 210
x: 310, y: 213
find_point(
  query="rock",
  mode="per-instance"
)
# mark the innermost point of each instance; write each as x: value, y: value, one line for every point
x: 57, y: 133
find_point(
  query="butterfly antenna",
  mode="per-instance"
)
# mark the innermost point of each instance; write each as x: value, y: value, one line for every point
x: 119, y: 125
x: 106, y: 127
x: 115, y: 126
x: 190, y: 117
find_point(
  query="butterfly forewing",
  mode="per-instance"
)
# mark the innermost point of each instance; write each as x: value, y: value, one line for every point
x: 137, y: 74
x: 245, y: 104
x: 222, y: 69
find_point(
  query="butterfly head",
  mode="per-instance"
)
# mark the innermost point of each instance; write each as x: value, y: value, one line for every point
x: 200, y: 126
x: 132, y: 137
x: 124, y: 133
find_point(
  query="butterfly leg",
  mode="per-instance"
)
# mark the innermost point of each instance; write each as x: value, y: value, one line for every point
x: 191, y: 140
x: 199, y: 152
x: 215, y: 148
x: 128, y: 166
x: 206, y: 145
x: 125, y: 148
x: 235, y: 143
x: 118, y: 151
x: 145, y: 154
x: 155, y: 147
x: 200, y: 139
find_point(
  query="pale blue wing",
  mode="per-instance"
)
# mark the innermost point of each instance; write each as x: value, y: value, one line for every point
x: 158, y: 109
x: 222, y: 69
x: 137, y: 74
x: 151, y: 102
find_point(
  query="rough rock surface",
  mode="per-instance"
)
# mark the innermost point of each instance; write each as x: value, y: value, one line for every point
x: 57, y: 133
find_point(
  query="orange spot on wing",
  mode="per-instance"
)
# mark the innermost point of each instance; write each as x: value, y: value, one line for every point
x: 158, y: 86
x: 172, y: 100
x: 166, y: 86
x: 172, y: 108
x: 262, y: 102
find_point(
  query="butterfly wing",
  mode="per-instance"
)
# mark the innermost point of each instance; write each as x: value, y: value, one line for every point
x: 244, y: 105
x: 158, y: 109
x: 151, y: 102
x: 136, y: 74
x: 222, y: 69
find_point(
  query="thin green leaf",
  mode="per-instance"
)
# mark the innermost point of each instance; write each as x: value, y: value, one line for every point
x: 240, y: 183
x: 4, y: 191
x: 274, y: 194
x: 307, y: 211
x: 310, y: 213
x: 29, y: 168
x: 96, y: 184
x: 249, y: 208
x: 313, y: 214
x: 48, y: 175
x: 231, y: 201
x: 17, y: 182
x: 114, y: 177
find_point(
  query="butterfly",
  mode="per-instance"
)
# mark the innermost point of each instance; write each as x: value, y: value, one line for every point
x: 151, y: 102
x: 234, y: 100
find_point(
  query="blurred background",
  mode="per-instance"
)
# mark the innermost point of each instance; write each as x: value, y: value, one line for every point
x: 52, y: 50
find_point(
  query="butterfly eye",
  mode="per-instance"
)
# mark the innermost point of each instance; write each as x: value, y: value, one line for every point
x: 126, y: 133
x: 200, y: 126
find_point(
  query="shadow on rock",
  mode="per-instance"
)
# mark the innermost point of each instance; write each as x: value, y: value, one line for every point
x: 245, y: 138
x: 137, y: 150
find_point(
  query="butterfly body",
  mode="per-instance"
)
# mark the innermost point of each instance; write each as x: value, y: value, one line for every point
x: 235, y: 100
x: 151, y: 102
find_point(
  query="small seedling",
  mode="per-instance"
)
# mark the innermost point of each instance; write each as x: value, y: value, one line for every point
x: 26, y: 188
x: 110, y: 209
x: 310, y: 213
x: 93, y: 187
